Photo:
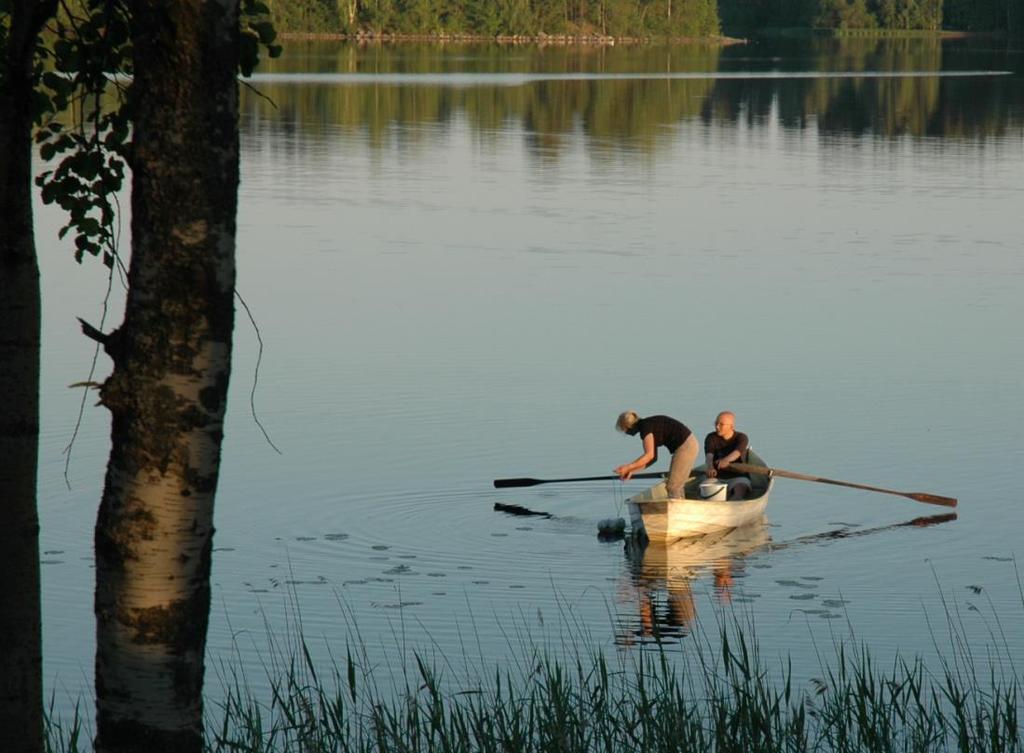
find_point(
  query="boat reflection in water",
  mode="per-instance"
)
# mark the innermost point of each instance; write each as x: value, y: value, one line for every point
x: 658, y: 587
x: 660, y: 579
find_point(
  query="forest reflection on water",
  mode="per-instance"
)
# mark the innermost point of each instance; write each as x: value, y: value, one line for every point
x: 890, y: 87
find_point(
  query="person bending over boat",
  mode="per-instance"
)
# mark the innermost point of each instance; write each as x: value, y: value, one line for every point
x: 655, y: 432
x: 725, y: 446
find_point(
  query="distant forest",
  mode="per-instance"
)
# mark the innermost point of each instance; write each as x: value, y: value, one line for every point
x: 907, y: 15
x: 637, y: 18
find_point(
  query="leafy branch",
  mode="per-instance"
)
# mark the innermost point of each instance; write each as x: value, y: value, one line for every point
x: 257, y: 30
x: 84, y: 63
x: 87, y: 121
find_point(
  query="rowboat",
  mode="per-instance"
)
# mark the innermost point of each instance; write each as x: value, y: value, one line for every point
x: 663, y: 520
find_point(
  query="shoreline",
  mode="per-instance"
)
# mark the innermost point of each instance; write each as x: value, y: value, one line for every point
x: 603, y: 40
x: 582, y: 40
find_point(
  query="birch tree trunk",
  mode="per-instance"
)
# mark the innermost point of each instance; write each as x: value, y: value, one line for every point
x: 21, y: 661
x: 168, y: 388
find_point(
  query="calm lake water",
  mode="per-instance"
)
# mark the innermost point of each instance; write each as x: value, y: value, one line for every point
x: 465, y: 261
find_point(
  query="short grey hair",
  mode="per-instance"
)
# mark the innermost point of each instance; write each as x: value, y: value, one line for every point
x: 626, y: 420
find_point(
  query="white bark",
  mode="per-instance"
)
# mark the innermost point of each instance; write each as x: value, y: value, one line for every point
x: 168, y: 390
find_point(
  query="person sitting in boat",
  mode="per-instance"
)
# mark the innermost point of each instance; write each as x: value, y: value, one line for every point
x: 655, y: 432
x: 723, y: 447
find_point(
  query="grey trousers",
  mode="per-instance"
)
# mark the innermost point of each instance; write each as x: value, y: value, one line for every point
x: 682, y: 463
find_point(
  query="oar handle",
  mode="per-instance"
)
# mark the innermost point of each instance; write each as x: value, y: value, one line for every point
x: 506, y: 483
x: 931, y: 499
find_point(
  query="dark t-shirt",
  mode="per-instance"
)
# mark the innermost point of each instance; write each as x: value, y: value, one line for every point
x: 668, y: 432
x: 719, y: 448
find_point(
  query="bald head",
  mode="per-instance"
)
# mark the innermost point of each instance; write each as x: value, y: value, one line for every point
x: 725, y: 424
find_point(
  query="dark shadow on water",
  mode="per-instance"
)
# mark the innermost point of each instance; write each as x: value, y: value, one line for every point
x: 848, y: 533
x: 519, y: 510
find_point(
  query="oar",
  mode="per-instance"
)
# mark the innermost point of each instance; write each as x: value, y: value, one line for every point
x: 505, y: 483
x: 931, y: 499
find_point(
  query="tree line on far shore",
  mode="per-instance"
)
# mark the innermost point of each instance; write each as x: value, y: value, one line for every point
x: 896, y: 15
x: 491, y: 18
x: 637, y: 18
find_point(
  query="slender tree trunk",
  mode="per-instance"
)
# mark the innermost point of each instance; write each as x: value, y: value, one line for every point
x: 168, y: 389
x: 21, y: 658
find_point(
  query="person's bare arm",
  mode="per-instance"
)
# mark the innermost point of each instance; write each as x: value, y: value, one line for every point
x: 732, y: 457
x: 650, y: 455
x: 709, y: 463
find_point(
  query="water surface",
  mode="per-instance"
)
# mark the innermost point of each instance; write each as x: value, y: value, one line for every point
x: 465, y: 261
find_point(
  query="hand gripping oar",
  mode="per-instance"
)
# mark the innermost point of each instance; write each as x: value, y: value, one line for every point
x: 931, y: 499
x: 505, y: 483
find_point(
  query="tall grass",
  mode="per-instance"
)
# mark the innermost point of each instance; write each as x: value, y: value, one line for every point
x: 726, y: 700
x: 731, y: 704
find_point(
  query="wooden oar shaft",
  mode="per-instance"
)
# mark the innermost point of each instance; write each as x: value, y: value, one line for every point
x: 505, y: 483
x: 931, y: 499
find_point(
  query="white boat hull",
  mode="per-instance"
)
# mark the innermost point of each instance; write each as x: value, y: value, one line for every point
x: 663, y: 519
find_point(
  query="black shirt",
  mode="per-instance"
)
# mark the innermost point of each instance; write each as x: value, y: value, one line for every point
x: 668, y: 432
x: 719, y: 448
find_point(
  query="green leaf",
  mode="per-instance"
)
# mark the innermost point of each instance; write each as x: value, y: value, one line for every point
x: 53, y: 80
x: 68, y: 56
x: 49, y: 192
x: 42, y: 105
x: 89, y: 226
x: 248, y: 52
x: 266, y: 31
x: 67, y: 201
x: 90, y: 164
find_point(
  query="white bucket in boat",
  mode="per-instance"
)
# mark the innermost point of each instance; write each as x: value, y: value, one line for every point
x: 714, y: 490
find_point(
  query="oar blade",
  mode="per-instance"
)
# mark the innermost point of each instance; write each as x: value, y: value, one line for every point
x: 508, y: 483
x: 933, y: 499
x: 932, y: 520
